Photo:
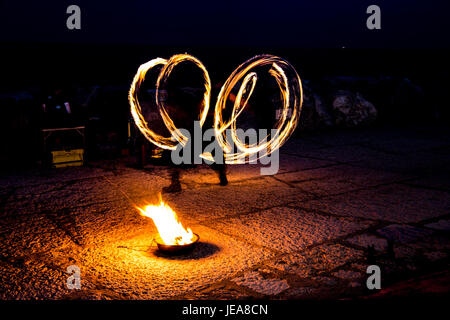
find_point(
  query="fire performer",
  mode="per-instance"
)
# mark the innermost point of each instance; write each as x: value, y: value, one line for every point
x: 183, y: 115
x: 286, y: 79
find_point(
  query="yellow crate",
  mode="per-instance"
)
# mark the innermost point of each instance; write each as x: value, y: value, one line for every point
x: 67, y: 158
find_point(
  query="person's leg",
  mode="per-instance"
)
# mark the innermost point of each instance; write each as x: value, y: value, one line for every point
x: 221, y: 169
x: 223, y: 174
x: 175, y: 185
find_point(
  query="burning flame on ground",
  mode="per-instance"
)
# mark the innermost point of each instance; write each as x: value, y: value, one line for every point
x: 169, y: 227
x: 282, y: 71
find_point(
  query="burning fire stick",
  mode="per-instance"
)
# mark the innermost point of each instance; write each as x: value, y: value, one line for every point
x: 172, y: 235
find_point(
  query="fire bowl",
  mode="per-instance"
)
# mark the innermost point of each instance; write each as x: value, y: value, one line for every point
x: 176, y: 248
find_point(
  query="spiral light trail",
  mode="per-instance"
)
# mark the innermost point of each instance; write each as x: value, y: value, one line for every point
x: 290, y: 87
x: 168, y: 65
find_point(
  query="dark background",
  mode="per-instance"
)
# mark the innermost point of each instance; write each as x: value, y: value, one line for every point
x: 323, y: 39
x: 282, y: 23
x: 318, y: 37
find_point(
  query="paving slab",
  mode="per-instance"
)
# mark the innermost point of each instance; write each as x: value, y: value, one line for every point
x: 256, y: 282
x: 403, y: 233
x: 347, y: 274
x: 222, y: 290
x: 312, y: 262
x: 23, y: 236
x: 33, y: 281
x: 336, y: 179
x: 344, y: 153
x: 394, y: 202
x: 288, y: 229
x: 406, y: 145
x: 418, y: 164
x: 366, y: 240
x: 344, y: 137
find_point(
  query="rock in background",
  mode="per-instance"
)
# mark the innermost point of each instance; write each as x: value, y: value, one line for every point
x: 351, y: 110
x: 334, y: 108
x: 351, y: 102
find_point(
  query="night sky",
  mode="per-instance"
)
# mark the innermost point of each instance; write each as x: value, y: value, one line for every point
x: 281, y: 23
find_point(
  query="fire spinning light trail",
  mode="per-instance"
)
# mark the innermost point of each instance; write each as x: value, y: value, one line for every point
x: 290, y: 87
x: 284, y: 74
x: 168, y: 65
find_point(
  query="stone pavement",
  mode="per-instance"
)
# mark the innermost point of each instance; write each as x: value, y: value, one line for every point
x: 302, y: 233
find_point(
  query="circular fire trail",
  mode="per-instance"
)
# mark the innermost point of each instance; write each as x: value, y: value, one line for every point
x: 283, y: 72
x: 290, y: 87
x: 168, y: 65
